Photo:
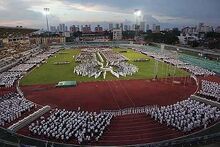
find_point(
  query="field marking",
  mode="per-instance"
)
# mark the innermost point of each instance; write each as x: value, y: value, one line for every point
x: 113, y: 95
x: 115, y: 83
x: 126, y: 92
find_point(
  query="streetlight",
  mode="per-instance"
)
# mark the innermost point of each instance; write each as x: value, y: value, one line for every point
x: 46, y: 12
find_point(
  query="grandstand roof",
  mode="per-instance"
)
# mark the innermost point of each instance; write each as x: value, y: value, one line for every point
x: 14, y: 31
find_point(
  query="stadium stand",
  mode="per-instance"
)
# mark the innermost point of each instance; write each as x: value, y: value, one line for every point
x: 191, y: 64
x: 210, y: 90
x: 11, y: 106
x: 86, y: 127
x: 7, y: 79
x: 186, y: 115
x: 63, y: 125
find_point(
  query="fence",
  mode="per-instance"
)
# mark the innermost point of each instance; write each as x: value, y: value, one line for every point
x: 10, y: 139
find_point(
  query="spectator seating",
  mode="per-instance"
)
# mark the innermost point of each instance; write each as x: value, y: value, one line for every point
x: 12, y: 106
x: 7, y: 79
x: 63, y: 124
x: 210, y: 89
x: 186, y: 115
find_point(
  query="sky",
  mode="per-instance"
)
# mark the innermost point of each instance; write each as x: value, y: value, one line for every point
x: 169, y: 13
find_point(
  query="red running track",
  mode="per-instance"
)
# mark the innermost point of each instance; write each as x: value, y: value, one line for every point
x: 95, y: 96
x: 210, y: 78
x: 108, y: 95
x: 4, y: 90
x: 125, y: 130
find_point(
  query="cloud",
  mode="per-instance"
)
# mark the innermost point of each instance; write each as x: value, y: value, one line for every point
x: 67, y: 11
x: 2, y: 5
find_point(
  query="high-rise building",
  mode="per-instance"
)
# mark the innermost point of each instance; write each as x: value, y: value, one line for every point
x: 122, y: 26
x: 86, y: 29
x: 74, y: 29
x: 147, y: 27
x: 217, y: 30
x: 133, y: 27
x: 98, y: 29
x: 117, y: 34
x: 200, y: 27
x: 156, y: 28
x: 53, y: 29
x: 117, y: 26
x: 110, y: 27
x: 125, y: 27
x: 189, y: 30
x: 142, y: 26
x: 129, y: 27
x: 62, y: 28
x: 206, y: 29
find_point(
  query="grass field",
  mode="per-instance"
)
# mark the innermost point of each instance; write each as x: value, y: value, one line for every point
x: 48, y: 73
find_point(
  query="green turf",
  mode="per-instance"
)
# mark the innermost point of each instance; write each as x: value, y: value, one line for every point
x: 49, y: 73
x: 147, y: 69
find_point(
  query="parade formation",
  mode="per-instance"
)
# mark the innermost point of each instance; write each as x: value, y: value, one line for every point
x: 95, y: 62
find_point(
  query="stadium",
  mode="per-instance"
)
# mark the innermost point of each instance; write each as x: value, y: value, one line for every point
x: 113, y: 93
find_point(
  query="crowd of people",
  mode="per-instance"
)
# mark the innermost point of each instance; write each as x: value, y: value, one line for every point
x: 35, y: 60
x: 6, y: 61
x: 198, y: 71
x: 128, y: 111
x: 186, y: 115
x: 174, y: 62
x: 210, y: 89
x: 62, y: 124
x: 7, y: 79
x: 22, y: 68
x: 12, y: 105
x: 90, y: 65
x: 154, y: 55
x: 88, y: 69
x: 126, y: 69
x: 86, y: 56
x: 113, y: 57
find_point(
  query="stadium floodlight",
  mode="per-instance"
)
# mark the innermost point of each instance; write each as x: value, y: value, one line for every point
x: 137, y: 12
x: 47, y: 12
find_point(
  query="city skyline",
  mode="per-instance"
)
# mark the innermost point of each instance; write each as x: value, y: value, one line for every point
x: 169, y: 13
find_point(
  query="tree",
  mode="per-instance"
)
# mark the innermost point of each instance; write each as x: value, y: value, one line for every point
x: 193, y: 43
x: 128, y: 34
x: 162, y: 37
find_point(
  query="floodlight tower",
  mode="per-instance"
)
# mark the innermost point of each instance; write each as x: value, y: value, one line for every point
x: 46, y: 12
x: 137, y: 14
